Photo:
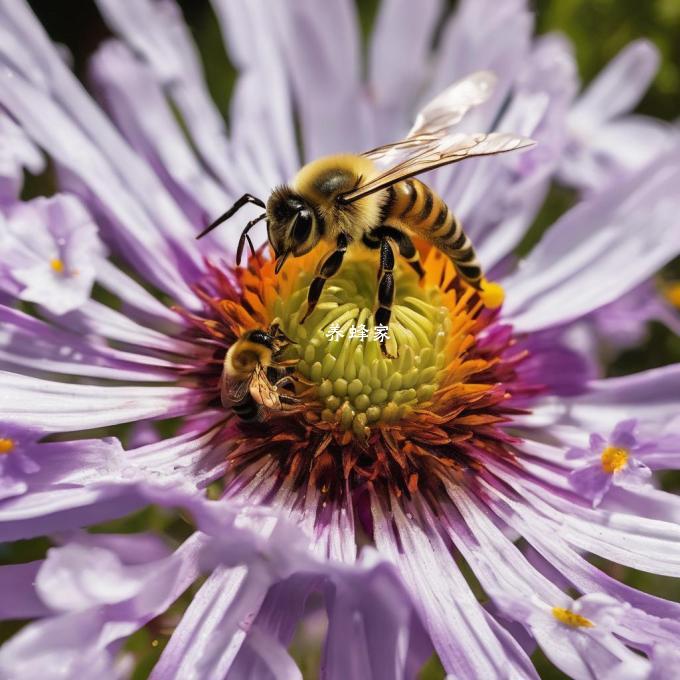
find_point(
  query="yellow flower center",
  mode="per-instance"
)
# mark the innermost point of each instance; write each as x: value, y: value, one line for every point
x: 339, y: 353
x: 6, y: 445
x: 614, y: 459
x: 569, y: 618
x: 672, y: 293
x: 57, y: 265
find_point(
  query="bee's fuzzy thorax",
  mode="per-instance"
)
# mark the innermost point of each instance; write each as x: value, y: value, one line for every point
x: 320, y: 182
x: 242, y: 357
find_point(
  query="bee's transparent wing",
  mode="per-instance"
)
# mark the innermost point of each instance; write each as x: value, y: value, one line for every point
x: 262, y: 391
x: 232, y: 391
x: 435, y: 153
x: 435, y: 121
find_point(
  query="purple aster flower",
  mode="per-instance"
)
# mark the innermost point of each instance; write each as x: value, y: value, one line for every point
x: 49, y: 252
x: 614, y: 460
x: 361, y: 502
x: 578, y: 634
x: 15, y: 467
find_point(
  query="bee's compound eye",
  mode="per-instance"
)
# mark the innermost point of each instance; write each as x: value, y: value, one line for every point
x: 302, y: 226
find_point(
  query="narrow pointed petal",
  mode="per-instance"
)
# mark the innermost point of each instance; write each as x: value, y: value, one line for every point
x: 157, y: 31
x: 60, y: 407
x: 577, y: 266
x: 310, y: 42
x: 619, y: 87
x: 138, y: 105
x: 396, y: 74
x: 455, y: 620
x: 144, y: 243
x: 38, y: 347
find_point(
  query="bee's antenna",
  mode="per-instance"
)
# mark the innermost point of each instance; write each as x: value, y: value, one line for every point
x: 246, y: 198
x: 245, y: 237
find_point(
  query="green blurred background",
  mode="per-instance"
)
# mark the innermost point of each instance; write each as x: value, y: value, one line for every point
x: 598, y: 29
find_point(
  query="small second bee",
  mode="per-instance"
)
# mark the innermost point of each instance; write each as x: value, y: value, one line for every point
x: 250, y: 366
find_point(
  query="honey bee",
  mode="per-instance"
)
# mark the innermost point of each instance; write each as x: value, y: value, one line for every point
x: 347, y: 199
x: 249, y: 366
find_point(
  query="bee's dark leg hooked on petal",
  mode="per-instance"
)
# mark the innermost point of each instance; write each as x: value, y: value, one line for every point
x: 385, y: 292
x: 245, y: 199
x: 285, y: 383
x: 329, y: 267
x: 407, y: 249
x: 410, y: 253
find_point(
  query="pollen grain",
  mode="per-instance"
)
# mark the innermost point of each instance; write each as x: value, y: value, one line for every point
x: 614, y: 459
x: 57, y: 265
x: 570, y: 618
x: 6, y: 445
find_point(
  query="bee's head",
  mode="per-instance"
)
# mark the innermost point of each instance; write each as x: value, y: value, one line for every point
x: 292, y: 225
x: 279, y: 340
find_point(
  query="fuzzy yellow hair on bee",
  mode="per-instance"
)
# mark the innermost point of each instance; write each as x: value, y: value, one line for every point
x: 252, y: 348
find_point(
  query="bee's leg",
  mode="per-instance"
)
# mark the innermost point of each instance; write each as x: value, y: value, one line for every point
x: 285, y: 363
x: 406, y: 248
x: 385, y: 292
x: 289, y: 403
x: 246, y: 198
x: 328, y: 267
x: 410, y: 253
x: 287, y: 382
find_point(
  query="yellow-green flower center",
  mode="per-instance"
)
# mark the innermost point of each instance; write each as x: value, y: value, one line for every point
x: 339, y: 353
x: 614, y: 459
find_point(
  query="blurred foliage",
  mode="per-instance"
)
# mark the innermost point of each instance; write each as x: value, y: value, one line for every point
x: 598, y: 29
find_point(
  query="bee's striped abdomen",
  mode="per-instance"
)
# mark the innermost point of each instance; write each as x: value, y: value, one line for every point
x: 418, y: 208
x: 247, y: 409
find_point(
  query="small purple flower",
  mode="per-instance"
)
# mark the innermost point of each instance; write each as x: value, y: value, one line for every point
x: 49, y: 253
x: 578, y: 635
x: 610, y: 461
x: 16, y: 462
